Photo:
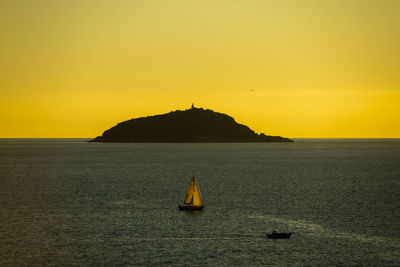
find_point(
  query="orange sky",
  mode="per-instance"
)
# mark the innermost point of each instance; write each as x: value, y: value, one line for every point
x: 291, y: 68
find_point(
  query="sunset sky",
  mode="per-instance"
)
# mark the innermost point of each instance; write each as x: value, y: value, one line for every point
x: 291, y: 68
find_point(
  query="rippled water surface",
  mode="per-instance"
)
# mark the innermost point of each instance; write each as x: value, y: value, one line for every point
x: 68, y: 202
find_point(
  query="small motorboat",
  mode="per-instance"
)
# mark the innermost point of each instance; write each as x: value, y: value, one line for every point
x: 276, y: 234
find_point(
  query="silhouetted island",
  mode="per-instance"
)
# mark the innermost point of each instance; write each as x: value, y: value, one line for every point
x: 191, y: 125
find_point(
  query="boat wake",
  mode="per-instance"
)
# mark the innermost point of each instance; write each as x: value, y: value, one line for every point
x: 304, y: 227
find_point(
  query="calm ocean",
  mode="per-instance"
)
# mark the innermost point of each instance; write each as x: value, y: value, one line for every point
x: 66, y: 202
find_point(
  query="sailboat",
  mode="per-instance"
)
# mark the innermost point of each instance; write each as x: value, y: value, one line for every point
x: 193, y: 200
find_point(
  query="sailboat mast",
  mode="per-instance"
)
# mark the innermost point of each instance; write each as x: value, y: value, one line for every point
x: 194, y: 181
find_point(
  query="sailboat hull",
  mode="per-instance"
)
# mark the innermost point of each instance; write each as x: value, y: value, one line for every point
x: 190, y: 207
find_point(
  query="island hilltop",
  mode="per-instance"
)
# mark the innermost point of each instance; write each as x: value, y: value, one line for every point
x: 191, y: 125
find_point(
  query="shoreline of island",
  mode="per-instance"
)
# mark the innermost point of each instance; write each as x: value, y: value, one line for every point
x: 194, y: 125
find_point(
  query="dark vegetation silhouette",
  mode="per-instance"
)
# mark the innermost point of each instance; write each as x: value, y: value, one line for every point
x: 191, y: 125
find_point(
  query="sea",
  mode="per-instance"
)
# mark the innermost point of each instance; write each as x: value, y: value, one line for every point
x: 68, y: 202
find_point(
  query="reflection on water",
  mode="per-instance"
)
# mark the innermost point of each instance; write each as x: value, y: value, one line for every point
x: 193, y: 212
x: 69, y: 202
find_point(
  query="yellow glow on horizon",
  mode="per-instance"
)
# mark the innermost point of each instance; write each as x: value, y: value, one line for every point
x: 291, y: 68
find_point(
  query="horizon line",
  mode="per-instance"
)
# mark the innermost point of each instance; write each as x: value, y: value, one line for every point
x: 239, y: 142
